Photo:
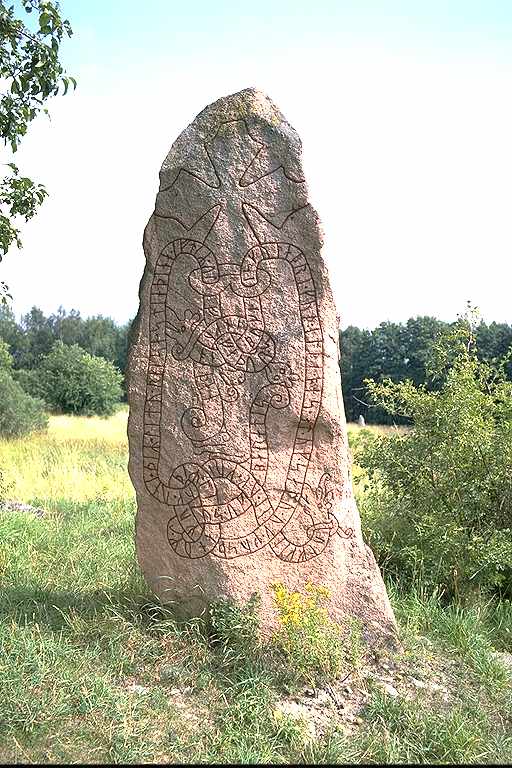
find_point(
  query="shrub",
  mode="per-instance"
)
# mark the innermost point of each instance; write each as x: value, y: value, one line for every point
x: 314, y: 646
x: 234, y: 629
x: 439, y: 502
x: 6, y: 360
x: 29, y: 381
x: 20, y: 413
x: 73, y: 381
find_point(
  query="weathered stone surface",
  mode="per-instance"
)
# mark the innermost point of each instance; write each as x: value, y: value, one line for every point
x: 238, y: 442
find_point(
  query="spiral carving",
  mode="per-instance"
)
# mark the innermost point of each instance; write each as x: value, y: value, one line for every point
x: 205, y: 497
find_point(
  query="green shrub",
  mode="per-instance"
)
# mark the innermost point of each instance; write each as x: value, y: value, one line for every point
x: 73, y: 381
x: 6, y: 360
x: 234, y: 629
x: 29, y: 381
x: 438, y: 506
x: 20, y: 413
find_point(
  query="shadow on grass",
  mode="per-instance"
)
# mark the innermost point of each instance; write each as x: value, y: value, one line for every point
x: 57, y: 608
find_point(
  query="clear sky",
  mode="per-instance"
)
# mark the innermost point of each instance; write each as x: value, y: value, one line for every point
x: 405, y: 113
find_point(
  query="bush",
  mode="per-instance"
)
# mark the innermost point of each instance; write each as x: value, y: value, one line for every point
x: 234, y: 629
x: 6, y: 360
x: 20, y: 413
x: 73, y: 381
x: 29, y: 381
x: 438, y: 506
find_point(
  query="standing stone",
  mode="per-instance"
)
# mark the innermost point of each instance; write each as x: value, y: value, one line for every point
x: 238, y: 442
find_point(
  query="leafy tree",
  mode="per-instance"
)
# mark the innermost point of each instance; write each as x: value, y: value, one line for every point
x: 439, y: 503
x: 20, y: 413
x: 38, y: 338
x: 389, y: 354
x: 67, y: 327
x: 5, y: 357
x: 73, y: 381
x: 391, y: 350
x: 122, y: 343
x: 99, y: 336
x: 420, y: 335
x: 10, y: 331
x: 31, y: 73
x: 29, y: 381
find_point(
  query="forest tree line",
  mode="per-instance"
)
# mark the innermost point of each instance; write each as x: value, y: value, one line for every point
x: 35, y: 334
x: 399, y: 351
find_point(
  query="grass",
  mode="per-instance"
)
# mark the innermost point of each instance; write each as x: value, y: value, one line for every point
x: 79, y: 460
x: 92, y: 670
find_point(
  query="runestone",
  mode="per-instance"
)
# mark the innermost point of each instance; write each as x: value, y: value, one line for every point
x: 238, y: 443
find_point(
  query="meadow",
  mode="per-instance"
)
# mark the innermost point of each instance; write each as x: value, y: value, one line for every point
x: 94, y: 670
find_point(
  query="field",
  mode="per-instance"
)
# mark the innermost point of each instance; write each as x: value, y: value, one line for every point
x: 93, y: 670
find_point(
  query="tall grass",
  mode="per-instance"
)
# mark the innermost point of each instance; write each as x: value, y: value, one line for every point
x: 92, y: 669
x: 80, y: 459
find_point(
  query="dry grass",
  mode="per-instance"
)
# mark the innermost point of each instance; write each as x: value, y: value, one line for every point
x: 379, y: 429
x: 79, y: 459
x: 90, y: 428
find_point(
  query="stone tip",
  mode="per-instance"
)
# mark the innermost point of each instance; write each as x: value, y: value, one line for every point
x: 249, y: 100
x: 249, y: 91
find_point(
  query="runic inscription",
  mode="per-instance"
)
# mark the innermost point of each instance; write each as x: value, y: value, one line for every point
x: 230, y: 353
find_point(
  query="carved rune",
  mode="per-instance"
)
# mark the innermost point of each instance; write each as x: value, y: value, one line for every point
x: 219, y: 501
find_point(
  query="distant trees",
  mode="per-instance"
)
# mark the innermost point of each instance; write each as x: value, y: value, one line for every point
x: 10, y: 331
x: 494, y: 342
x: 73, y: 364
x: 395, y: 350
x: 34, y: 336
x: 19, y: 412
x: 400, y: 351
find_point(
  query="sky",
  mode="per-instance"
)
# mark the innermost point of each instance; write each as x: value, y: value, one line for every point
x: 404, y: 109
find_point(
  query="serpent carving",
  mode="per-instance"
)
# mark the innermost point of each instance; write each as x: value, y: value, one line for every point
x: 216, y: 486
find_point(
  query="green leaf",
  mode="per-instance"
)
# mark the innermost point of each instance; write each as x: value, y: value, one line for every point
x: 33, y: 56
